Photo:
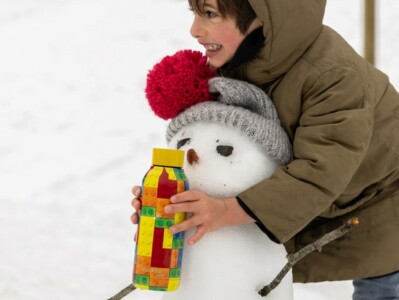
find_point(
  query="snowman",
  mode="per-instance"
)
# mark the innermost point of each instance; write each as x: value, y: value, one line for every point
x: 231, y: 144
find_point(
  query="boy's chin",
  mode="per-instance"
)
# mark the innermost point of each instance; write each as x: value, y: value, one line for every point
x: 215, y: 64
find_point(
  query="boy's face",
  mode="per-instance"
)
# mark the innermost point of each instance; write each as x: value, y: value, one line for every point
x: 219, y: 36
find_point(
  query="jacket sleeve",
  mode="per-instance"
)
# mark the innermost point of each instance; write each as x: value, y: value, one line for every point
x: 331, y: 139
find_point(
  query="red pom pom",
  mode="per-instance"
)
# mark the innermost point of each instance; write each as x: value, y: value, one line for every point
x: 178, y: 82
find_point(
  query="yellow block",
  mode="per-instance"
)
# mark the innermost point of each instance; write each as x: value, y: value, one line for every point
x: 173, y: 284
x: 167, y: 239
x: 171, y: 173
x: 146, y: 235
x: 142, y: 287
x: 179, y: 217
x: 152, y: 177
x: 167, y: 157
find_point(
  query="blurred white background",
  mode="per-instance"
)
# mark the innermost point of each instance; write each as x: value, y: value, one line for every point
x: 76, y: 134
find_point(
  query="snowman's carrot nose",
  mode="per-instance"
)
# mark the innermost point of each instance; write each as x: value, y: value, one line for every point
x: 192, y: 156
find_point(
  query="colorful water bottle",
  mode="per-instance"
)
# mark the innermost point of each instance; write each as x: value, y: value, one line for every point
x: 158, y: 255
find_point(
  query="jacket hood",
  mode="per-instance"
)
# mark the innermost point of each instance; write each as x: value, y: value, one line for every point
x: 289, y: 28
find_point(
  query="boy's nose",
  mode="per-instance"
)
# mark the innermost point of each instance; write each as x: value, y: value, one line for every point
x: 196, y: 29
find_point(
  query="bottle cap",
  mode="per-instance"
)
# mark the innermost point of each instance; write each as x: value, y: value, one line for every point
x: 167, y: 157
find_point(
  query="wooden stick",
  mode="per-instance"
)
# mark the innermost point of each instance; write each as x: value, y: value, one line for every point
x: 369, y: 30
x: 127, y: 290
x: 317, y: 245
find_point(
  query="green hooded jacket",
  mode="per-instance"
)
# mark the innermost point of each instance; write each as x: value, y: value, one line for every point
x: 342, y: 116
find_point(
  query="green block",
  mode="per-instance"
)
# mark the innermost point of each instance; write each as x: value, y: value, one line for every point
x: 180, y: 175
x: 140, y: 279
x: 163, y: 223
x: 148, y: 211
x: 158, y: 288
x: 178, y: 243
x: 174, y: 273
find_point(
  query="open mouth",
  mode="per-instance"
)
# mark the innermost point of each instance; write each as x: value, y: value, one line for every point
x: 213, y: 47
x: 212, y: 50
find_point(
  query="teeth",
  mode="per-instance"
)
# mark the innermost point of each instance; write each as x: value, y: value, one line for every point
x: 213, y: 47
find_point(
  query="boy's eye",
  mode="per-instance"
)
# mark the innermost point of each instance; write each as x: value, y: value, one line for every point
x: 211, y: 14
x: 182, y: 142
x: 224, y: 150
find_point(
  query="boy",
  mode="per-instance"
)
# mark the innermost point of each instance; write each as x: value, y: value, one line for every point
x: 341, y: 115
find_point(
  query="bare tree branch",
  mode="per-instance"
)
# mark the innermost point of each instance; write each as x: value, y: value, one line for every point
x: 317, y: 245
x: 126, y: 291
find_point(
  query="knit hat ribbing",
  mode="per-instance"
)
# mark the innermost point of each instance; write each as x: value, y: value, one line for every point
x: 242, y: 106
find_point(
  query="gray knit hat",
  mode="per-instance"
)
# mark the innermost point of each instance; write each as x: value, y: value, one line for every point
x: 243, y: 106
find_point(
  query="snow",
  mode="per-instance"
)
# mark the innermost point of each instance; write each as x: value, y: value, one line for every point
x: 76, y: 134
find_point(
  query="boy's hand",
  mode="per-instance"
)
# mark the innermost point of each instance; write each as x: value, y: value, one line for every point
x: 207, y: 213
x: 137, y: 206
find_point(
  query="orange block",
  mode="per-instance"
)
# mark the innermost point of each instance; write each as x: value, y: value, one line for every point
x: 180, y: 186
x: 149, y: 197
x: 173, y: 259
x: 159, y: 282
x: 160, y: 273
x: 143, y: 265
x: 161, y: 203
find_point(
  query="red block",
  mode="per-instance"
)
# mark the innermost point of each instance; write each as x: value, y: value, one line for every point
x: 166, y: 187
x: 160, y: 257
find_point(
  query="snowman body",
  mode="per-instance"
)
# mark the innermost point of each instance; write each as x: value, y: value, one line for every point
x: 232, y: 263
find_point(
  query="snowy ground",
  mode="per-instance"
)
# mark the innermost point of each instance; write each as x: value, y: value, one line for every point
x: 76, y: 133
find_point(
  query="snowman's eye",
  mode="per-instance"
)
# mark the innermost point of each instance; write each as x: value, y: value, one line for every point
x: 224, y: 150
x: 182, y: 142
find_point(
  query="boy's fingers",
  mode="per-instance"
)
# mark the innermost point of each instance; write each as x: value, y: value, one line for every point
x: 185, y: 225
x: 136, y: 190
x: 187, y: 196
x: 187, y: 207
x: 197, y: 235
x: 134, y: 218
x: 136, y: 204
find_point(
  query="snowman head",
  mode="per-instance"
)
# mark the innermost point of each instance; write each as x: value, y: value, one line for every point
x: 232, y: 142
x: 221, y: 160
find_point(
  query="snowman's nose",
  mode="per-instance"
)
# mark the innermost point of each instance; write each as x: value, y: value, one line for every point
x: 192, y: 156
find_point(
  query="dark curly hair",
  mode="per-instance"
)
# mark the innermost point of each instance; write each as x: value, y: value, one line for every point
x: 240, y: 10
